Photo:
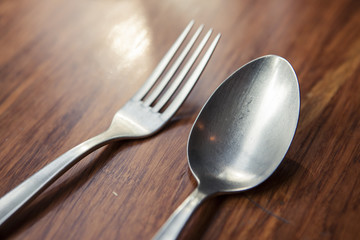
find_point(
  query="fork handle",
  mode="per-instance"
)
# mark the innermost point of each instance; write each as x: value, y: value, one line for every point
x: 38, y: 182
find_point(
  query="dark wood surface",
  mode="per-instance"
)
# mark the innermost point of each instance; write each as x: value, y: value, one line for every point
x: 67, y: 66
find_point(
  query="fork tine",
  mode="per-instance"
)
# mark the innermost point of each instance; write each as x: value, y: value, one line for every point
x: 162, y: 64
x: 167, y: 95
x: 150, y: 99
x: 184, y: 92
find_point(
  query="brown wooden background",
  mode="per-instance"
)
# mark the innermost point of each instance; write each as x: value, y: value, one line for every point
x: 67, y: 66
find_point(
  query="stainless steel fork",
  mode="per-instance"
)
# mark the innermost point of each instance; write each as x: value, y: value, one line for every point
x: 143, y: 115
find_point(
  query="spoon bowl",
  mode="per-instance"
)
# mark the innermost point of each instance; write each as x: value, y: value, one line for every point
x: 245, y: 129
x: 241, y: 134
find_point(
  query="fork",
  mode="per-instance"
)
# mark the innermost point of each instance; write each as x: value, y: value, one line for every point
x: 144, y: 114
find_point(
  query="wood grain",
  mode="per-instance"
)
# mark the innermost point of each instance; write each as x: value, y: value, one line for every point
x: 67, y: 66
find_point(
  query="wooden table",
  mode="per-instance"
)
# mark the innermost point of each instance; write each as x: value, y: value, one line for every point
x: 67, y: 66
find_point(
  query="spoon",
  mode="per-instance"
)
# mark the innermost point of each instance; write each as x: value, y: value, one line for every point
x: 241, y: 134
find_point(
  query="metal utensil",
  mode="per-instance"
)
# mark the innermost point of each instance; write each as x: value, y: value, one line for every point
x: 136, y: 119
x: 241, y: 135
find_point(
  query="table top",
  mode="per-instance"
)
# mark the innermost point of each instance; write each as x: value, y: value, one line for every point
x: 67, y: 66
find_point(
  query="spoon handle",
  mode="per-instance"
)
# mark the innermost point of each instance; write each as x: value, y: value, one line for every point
x: 173, y: 226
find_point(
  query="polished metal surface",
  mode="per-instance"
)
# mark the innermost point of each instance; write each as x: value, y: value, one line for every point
x: 241, y: 135
x: 136, y: 119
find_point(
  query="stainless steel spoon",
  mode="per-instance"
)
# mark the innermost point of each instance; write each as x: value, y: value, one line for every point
x: 241, y: 135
